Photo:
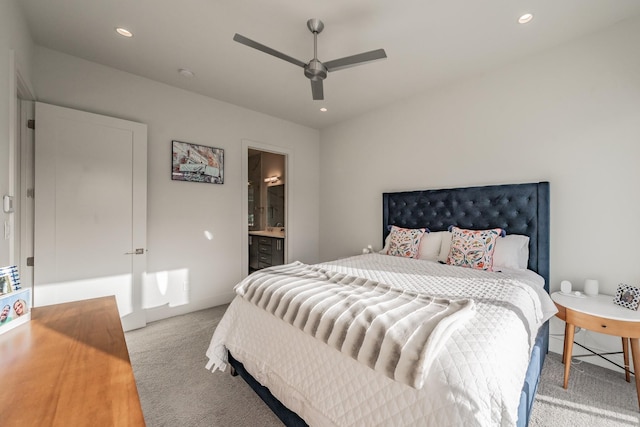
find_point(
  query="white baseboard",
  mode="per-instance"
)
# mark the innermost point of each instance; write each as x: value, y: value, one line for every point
x: 164, y: 311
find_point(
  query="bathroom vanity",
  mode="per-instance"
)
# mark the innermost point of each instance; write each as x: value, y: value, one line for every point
x: 266, y: 248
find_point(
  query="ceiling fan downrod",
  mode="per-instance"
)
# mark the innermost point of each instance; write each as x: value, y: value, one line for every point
x: 315, y: 70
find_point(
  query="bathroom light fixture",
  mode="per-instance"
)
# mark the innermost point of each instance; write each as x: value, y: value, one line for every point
x: 323, y: 109
x: 272, y: 179
x: 527, y: 17
x: 124, y: 32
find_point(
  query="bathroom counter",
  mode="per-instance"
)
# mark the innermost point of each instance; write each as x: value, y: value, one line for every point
x: 267, y: 233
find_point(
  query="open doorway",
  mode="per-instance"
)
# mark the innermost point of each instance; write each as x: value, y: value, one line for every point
x: 266, y: 216
x: 265, y: 206
x: 266, y: 185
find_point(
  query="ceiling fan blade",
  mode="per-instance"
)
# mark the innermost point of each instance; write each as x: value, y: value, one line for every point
x: 248, y: 42
x: 350, y: 61
x: 316, y: 90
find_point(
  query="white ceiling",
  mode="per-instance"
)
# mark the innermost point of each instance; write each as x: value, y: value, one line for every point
x: 428, y: 43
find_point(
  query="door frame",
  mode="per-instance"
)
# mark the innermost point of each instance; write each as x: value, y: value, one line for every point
x: 21, y: 166
x: 289, y: 184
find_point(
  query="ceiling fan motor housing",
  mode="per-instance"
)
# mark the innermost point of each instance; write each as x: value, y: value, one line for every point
x: 315, y: 25
x: 315, y: 70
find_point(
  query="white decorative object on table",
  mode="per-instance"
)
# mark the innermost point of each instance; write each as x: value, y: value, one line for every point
x: 591, y: 287
x: 367, y: 250
x: 565, y: 287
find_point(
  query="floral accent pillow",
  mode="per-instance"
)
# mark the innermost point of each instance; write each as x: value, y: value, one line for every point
x: 405, y: 242
x: 473, y: 248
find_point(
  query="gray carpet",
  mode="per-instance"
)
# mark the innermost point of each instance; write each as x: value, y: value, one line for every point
x: 168, y: 359
x: 596, y: 396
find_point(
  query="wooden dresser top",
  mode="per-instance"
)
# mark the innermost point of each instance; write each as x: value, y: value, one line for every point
x: 69, y: 366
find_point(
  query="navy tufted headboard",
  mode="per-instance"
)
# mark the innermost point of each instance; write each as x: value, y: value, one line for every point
x: 516, y: 208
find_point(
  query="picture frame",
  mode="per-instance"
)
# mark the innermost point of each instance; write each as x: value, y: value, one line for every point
x: 9, y: 279
x: 15, y: 302
x: 196, y: 163
x: 627, y: 296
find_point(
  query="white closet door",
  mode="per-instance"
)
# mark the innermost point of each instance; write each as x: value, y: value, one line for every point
x: 90, y: 209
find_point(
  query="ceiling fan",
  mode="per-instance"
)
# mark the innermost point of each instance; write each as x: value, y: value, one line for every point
x: 315, y: 70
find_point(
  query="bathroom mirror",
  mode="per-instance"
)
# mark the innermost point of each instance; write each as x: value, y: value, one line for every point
x: 275, y: 206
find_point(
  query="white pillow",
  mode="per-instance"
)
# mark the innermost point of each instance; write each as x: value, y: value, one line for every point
x: 385, y: 249
x: 512, y: 251
x: 430, y: 246
x: 445, y: 245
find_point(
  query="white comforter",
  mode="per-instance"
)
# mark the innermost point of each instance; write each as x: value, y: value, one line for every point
x: 475, y: 379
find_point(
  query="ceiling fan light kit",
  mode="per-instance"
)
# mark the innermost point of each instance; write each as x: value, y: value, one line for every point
x: 315, y: 70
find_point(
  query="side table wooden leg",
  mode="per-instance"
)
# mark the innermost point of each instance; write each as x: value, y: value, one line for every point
x: 635, y: 354
x: 564, y: 348
x: 625, y: 352
x: 568, y: 351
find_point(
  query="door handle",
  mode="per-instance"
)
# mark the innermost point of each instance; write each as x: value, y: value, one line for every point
x: 139, y: 251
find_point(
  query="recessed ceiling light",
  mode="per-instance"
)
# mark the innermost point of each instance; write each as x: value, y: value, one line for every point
x: 186, y: 73
x: 527, y: 17
x: 323, y: 109
x: 124, y: 32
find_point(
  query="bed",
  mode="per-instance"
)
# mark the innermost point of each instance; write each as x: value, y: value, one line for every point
x: 485, y: 370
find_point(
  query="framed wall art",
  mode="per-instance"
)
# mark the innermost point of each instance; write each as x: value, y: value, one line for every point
x: 197, y: 163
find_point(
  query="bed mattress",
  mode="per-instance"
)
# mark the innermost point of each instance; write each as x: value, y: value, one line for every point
x: 475, y: 379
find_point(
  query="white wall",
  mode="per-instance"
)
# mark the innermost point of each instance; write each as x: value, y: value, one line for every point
x: 14, y: 37
x: 570, y: 115
x: 180, y: 212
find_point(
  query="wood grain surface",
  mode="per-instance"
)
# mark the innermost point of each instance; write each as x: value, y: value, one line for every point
x: 69, y: 366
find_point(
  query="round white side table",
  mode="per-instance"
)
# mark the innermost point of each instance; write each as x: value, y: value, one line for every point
x: 599, y: 314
